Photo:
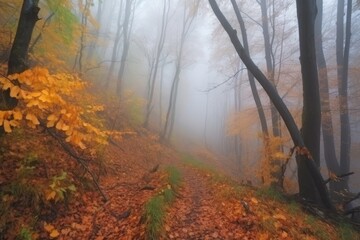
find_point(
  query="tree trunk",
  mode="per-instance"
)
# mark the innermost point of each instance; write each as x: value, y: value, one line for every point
x: 254, y: 91
x: 19, y: 51
x: 115, y: 49
x: 187, y: 21
x: 126, y: 45
x: 302, y: 153
x: 160, y: 47
x: 269, y: 65
x: 311, y: 116
x: 342, y: 57
x: 326, y: 117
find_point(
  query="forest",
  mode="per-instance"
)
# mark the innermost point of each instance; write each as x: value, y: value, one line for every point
x: 179, y: 119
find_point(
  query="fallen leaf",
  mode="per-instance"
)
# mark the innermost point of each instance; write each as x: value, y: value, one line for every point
x: 54, y: 233
x: 48, y: 227
x: 279, y: 216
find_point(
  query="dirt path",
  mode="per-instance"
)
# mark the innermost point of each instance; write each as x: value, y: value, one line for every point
x: 197, y: 213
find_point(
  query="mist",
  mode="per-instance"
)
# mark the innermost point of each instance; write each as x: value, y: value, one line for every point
x: 169, y: 70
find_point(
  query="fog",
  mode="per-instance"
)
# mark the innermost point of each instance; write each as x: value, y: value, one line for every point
x: 214, y: 103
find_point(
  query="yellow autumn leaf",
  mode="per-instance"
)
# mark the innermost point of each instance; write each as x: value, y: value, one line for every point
x: 50, y: 124
x: 35, y: 94
x: 48, y: 227
x: 254, y: 200
x: 14, y: 123
x: 65, y: 127
x: 69, y: 132
x: 45, y: 98
x: 51, y: 195
x: 14, y: 91
x: 7, y: 85
x: 52, y: 117
x: 7, y: 127
x: 81, y: 145
x: 13, y: 76
x: 17, y: 115
x: 31, y: 117
x: 59, y: 124
x: 54, y: 233
x: 31, y: 103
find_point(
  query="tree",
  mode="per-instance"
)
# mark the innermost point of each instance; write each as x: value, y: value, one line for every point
x: 326, y: 115
x: 115, y: 49
x: 126, y: 44
x: 155, y: 64
x: 19, y: 51
x: 311, y: 116
x: 342, y: 59
x: 270, y: 62
x: 303, y: 156
x: 85, y: 12
x: 254, y: 90
x: 190, y: 11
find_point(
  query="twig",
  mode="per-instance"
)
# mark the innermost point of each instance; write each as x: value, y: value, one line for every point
x: 338, y: 177
x: 80, y: 160
x: 283, y: 166
x: 353, y: 199
x: 115, y: 144
x: 222, y: 83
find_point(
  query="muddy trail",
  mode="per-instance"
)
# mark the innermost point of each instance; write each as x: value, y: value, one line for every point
x: 196, y: 214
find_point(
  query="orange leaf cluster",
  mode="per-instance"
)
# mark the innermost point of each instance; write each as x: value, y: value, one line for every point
x: 51, y: 100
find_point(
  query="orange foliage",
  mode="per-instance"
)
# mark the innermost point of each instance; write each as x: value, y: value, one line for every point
x: 52, y: 101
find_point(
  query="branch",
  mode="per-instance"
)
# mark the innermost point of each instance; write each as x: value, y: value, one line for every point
x: 222, y: 83
x: 46, y: 22
x: 79, y: 159
x: 283, y: 166
x: 99, y: 65
x: 337, y: 177
x: 353, y: 199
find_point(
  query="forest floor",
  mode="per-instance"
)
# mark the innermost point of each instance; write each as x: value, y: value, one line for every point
x: 152, y: 191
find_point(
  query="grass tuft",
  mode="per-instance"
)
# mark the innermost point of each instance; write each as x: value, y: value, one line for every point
x: 155, y: 208
x: 174, y: 176
x: 155, y: 213
x: 25, y: 234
